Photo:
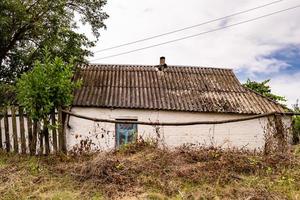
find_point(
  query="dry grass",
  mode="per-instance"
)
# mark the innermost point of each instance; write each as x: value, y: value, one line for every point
x: 144, y: 171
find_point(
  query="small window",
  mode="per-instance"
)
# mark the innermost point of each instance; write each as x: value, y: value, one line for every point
x: 125, y: 133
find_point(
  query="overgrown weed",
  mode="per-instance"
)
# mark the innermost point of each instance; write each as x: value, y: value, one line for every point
x: 165, y: 171
x: 148, y: 171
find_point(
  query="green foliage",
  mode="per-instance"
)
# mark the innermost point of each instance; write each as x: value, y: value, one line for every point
x: 264, y: 89
x: 46, y: 87
x: 7, y: 94
x: 27, y: 26
x: 296, y: 124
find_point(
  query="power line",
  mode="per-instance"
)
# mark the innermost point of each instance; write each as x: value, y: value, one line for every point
x: 189, y: 27
x: 202, y: 33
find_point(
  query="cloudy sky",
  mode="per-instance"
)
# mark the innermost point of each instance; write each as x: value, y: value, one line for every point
x: 268, y: 48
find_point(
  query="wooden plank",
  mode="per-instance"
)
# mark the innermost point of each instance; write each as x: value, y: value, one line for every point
x: 61, y: 136
x: 46, y: 136
x: 22, y: 130
x: 14, y: 128
x: 41, y: 140
x: 60, y: 140
x: 30, y: 135
x: 280, y: 134
x: 38, y: 134
x: 34, y: 137
x: 1, y: 145
x: 63, y: 132
x: 54, y: 134
x: 6, y: 130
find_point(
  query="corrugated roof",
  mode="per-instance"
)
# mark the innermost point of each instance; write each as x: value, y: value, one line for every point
x: 177, y: 88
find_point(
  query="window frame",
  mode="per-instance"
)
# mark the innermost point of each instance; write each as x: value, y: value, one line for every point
x: 116, y: 133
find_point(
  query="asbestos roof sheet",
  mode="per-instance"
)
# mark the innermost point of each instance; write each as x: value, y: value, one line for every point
x: 177, y: 88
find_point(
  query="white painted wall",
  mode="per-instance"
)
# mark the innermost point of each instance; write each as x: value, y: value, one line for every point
x: 248, y: 134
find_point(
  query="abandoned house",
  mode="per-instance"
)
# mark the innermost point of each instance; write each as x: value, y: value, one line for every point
x: 164, y: 93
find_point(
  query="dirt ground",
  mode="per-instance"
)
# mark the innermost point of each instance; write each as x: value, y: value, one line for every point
x: 144, y: 171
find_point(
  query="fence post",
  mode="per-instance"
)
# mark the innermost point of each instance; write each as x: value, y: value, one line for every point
x: 1, y: 146
x: 54, y: 135
x: 30, y: 136
x: 41, y: 139
x: 34, y: 137
x: 280, y: 133
x: 46, y: 135
x: 61, y: 135
x: 22, y: 130
x: 14, y: 129
x: 6, y: 129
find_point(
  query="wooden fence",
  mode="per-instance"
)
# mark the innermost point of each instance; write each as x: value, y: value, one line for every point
x: 20, y: 134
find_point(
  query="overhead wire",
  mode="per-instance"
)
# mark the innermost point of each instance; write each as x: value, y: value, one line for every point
x: 198, y: 34
x: 189, y: 27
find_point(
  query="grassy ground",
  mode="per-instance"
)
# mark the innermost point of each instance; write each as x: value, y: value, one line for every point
x: 143, y: 171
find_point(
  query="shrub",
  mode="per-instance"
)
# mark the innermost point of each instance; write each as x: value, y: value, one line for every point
x: 46, y: 87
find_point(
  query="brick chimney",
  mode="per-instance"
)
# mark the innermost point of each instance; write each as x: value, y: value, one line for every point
x: 162, y: 63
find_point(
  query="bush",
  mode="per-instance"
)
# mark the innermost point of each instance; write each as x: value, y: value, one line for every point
x: 46, y: 87
x: 296, y: 129
x: 7, y: 94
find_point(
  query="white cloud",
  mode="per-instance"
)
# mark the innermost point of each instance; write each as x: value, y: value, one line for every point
x: 288, y: 86
x: 234, y: 47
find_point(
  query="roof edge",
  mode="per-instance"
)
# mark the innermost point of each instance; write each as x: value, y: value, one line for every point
x: 166, y: 110
x: 267, y: 98
x: 142, y: 65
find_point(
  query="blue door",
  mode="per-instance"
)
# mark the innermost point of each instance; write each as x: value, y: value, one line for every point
x: 125, y: 133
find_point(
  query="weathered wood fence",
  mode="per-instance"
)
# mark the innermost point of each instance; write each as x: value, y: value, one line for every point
x: 20, y: 134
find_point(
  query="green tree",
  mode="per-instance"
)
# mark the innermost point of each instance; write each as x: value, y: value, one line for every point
x: 48, y: 86
x: 27, y: 26
x: 264, y: 89
x: 7, y: 94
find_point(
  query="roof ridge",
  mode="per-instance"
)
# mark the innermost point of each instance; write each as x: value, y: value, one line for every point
x: 143, y: 65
